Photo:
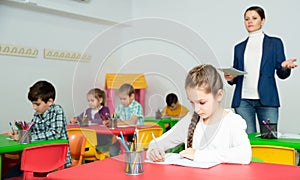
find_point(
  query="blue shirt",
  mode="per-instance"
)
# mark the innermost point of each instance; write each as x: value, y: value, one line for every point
x: 134, y: 109
x: 50, y: 125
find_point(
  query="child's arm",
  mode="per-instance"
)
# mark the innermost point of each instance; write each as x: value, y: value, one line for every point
x: 132, y: 121
x: 164, y: 111
x: 238, y: 151
x: 135, y: 113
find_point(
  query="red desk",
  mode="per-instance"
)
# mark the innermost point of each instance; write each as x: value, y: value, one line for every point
x: 101, y: 129
x: 113, y: 168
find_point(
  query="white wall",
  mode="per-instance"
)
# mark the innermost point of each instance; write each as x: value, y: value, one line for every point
x: 220, y: 25
x: 163, y: 40
x: 27, y: 25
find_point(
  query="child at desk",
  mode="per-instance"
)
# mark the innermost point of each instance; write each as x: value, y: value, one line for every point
x: 96, y: 113
x: 97, y: 110
x: 174, y: 108
x: 49, y: 121
x: 129, y: 112
x: 211, y: 133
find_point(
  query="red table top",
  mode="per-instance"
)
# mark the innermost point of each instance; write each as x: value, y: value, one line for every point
x: 101, y: 129
x: 113, y: 168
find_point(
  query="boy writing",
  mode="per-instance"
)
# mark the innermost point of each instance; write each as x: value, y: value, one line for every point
x: 174, y: 108
x: 49, y: 119
x: 129, y: 112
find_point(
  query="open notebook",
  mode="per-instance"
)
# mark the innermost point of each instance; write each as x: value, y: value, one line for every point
x: 174, y: 158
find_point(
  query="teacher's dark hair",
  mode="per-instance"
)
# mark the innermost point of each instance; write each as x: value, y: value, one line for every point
x: 260, y: 11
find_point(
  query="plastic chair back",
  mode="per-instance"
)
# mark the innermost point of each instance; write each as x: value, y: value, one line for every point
x: 43, y: 159
x: 91, y: 153
x: 274, y: 154
x: 145, y: 136
x: 77, y: 148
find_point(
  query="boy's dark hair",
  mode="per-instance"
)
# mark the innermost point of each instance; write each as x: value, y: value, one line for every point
x: 41, y: 90
x: 126, y: 88
x: 171, y: 98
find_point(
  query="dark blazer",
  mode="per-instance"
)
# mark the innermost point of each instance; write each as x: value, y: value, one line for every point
x: 272, y: 57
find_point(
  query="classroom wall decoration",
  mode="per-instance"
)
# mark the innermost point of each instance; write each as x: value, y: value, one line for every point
x: 66, y: 55
x: 12, y: 50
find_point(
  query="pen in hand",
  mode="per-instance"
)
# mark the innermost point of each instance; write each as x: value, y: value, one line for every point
x: 159, y: 151
x: 12, y: 129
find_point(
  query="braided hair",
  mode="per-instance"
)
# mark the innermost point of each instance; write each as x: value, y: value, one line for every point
x: 192, y: 126
x: 206, y: 77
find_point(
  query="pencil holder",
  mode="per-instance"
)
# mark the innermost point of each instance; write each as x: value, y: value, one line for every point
x: 158, y: 115
x: 24, y: 137
x: 84, y: 121
x: 134, y: 161
x: 113, y: 123
x: 268, y: 131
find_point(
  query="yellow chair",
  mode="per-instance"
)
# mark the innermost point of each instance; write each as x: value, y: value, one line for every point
x: 274, y: 154
x: 151, y: 124
x: 145, y: 136
x: 91, y: 153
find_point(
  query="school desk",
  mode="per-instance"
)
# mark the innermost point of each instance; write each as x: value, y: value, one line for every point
x: 163, y: 121
x: 113, y: 168
x: 13, y: 146
x: 286, y: 142
x: 101, y: 129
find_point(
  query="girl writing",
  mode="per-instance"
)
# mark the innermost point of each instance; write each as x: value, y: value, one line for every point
x: 211, y: 133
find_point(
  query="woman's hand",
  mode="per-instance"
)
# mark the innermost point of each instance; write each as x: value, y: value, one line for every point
x: 157, y: 155
x: 229, y: 77
x: 289, y: 64
x: 189, y: 153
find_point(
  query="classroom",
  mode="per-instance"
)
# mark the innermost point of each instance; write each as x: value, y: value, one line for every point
x: 74, y: 44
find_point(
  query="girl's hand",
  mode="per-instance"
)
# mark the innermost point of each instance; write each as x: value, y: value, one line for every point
x: 157, y: 155
x: 229, y: 77
x: 189, y: 153
x: 106, y: 123
x: 73, y: 120
x: 289, y: 64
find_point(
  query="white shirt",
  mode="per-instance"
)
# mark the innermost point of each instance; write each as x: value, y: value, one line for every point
x: 226, y: 142
x: 252, y: 60
x: 93, y: 112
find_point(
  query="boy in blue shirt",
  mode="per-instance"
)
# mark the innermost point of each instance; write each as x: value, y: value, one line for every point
x: 129, y: 112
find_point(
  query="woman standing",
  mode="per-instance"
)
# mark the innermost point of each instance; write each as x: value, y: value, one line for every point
x: 260, y: 56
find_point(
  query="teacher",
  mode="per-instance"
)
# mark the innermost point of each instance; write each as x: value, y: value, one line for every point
x: 260, y: 56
